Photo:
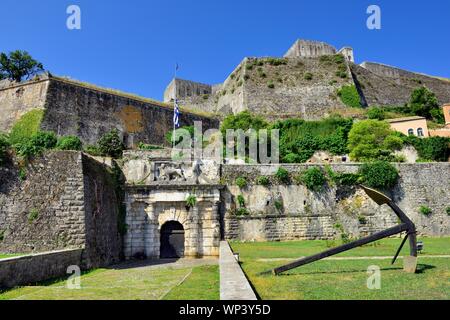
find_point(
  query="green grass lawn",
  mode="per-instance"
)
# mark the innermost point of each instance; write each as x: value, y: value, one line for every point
x: 198, y: 283
x: 345, y: 279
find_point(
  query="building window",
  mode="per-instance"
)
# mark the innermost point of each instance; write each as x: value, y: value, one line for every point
x: 410, y: 132
x: 420, y: 132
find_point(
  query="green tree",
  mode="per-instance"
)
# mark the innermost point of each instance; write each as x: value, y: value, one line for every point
x: 424, y: 103
x: 376, y: 113
x: 372, y: 140
x: 379, y: 174
x: 18, y: 65
x: 111, y: 145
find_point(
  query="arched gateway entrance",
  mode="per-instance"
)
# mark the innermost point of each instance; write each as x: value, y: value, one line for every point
x: 172, y: 240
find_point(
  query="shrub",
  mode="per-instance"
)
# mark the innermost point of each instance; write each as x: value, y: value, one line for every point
x: 379, y: 174
x: 371, y: 140
x: 69, y: 143
x: 180, y: 134
x: 448, y: 211
x: 434, y: 148
x: 350, y: 96
x: 424, y: 103
x: 308, y: 76
x: 26, y: 127
x: 278, y: 205
x: 375, y: 113
x: 148, y: 147
x: 33, y: 215
x: 22, y: 174
x: 37, y: 144
x: 191, y: 201
x: 4, y: 146
x: 242, y: 212
x: 362, y: 219
x: 241, y: 182
x: 92, y: 150
x: 426, y: 211
x: 314, y: 179
x: 346, y: 179
x: 271, y: 85
x: 263, y: 180
x: 295, y: 158
x: 241, y: 200
x: 111, y: 145
x: 282, y: 175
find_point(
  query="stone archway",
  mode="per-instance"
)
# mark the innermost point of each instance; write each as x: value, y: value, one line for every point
x: 172, y: 240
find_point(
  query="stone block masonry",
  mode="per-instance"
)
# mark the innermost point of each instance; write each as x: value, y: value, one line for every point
x: 281, y: 212
x: 67, y: 201
x: 87, y: 111
x: 37, y: 267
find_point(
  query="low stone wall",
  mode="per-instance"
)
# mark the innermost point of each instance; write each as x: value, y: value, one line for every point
x: 37, y: 267
x: 291, y: 212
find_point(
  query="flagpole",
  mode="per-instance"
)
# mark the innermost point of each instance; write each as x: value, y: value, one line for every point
x: 174, y: 105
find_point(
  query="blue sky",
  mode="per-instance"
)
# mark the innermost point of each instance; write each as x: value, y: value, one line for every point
x: 133, y: 45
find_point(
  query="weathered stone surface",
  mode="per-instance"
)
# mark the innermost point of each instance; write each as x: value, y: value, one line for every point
x: 68, y: 200
x: 37, y: 267
x: 311, y: 215
x: 87, y: 111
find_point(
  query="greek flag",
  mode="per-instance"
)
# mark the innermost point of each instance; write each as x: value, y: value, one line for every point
x: 176, y: 116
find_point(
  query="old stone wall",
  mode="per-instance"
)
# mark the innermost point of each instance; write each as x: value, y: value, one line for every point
x: 66, y: 201
x: 384, y: 85
x: 18, y: 99
x: 45, y: 211
x: 309, y: 49
x: 288, y: 212
x: 101, y: 203
x: 34, y: 268
x: 87, y: 111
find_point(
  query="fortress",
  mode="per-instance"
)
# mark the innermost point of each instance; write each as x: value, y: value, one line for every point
x: 94, y: 212
x: 303, y: 83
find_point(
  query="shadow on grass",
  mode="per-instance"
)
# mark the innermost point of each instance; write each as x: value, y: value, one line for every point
x: 142, y: 263
x: 422, y: 268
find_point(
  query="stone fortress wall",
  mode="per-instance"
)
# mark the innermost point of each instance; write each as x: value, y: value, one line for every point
x: 87, y: 111
x: 66, y: 201
x: 310, y: 215
x: 293, y: 96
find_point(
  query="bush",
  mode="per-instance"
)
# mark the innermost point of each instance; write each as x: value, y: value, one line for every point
x: 242, y: 212
x: 270, y: 85
x: 148, y: 147
x: 241, y: 182
x: 191, y: 201
x: 424, y: 103
x: 346, y: 179
x: 263, y: 180
x: 434, y: 148
x: 282, y: 175
x: 448, y: 211
x: 362, y: 219
x: 92, y: 150
x: 371, y: 140
x: 426, y: 211
x: 350, y: 96
x: 4, y: 146
x: 380, y: 174
x: 111, y: 145
x: 375, y: 113
x: 27, y: 126
x: 179, y: 135
x: 314, y: 179
x: 33, y: 215
x: 308, y: 76
x: 241, y: 200
x: 69, y: 143
x: 37, y: 144
x: 279, y: 205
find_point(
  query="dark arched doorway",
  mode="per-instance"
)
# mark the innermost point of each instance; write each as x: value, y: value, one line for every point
x: 172, y: 240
